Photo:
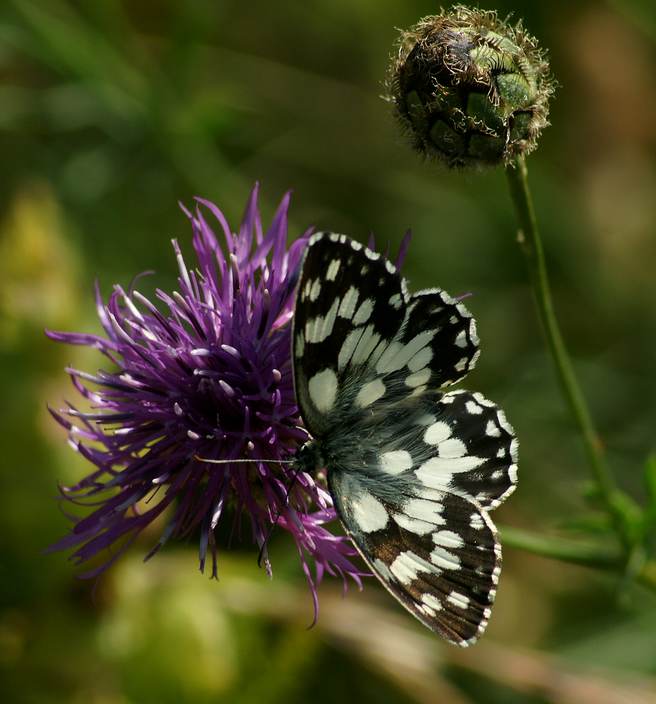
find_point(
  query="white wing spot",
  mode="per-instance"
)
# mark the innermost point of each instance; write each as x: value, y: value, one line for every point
x: 319, y: 328
x: 512, y: 473
x: 473, y: 333
x: 452, y: 448
x: 365, y: 346
x: 461, y: 365
x: 492, y: 430
x: 323, y: 389
x: 369, y: 393
x: 503, y: 422
x: 483, y: 401
x: 476, y: 521
x: 396, y: 356
x: 395, y: 301
x: 407, y: 566
x: 436, y: 472
x: 418, y: 378
x: 421, y: 359
x: 431, y: 601
x: 414, y: 525
x: 371, y: 255
x: 461, y: 339
x: 369, y: 513
x: 463, y: 310
x: 448, y: 539
x: 444, y: 560
x: 458, y: 599
x: 315, y: 290
x: 437, y: 433
x: 390, y: 267
x: 300, y: 344
x: 473, y: 407
x: 348, y: 346
x: 364, y: 312
x: 382, y: 569
x: 514, y: 447
x: 424, y: 510
x: 355, y: 245
x: 349, y: 301
x: 333, y: 268
x: 396, y: 461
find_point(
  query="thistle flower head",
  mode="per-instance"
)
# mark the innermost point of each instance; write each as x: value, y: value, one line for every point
x: 203, y: 373
x: 470, y: 89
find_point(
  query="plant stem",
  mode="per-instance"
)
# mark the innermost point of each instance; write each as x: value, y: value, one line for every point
x: 580, y: 553
x: 531, y: 244
x: 587, y: 554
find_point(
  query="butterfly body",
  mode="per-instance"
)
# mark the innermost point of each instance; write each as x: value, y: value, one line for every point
x: 412, y: 470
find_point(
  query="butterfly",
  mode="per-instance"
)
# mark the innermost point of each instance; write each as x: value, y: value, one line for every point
x: 413, y: 470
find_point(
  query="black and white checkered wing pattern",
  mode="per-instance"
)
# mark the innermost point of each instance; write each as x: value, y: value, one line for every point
x: 349, y: 302
x: 361, y: 342
x: 467, y: 448
x: 418, y: 508
x: 413, y: 472
x: 438, y: 556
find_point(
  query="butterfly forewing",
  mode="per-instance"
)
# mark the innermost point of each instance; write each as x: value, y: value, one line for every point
x: 348, y: 304
x: 360, y: 339
x: 412, y: 471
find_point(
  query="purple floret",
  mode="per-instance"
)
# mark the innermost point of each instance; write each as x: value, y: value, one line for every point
x: 205, y: 373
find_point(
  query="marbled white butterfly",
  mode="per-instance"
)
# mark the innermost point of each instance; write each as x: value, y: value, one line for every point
x: 413, y: 471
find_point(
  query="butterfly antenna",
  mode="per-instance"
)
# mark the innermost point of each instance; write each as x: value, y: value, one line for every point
x: 241, y: 460
x: 278, y: 515
x: 287, y: 492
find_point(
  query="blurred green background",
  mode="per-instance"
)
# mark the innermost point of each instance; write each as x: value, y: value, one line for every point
x: 111, y: 112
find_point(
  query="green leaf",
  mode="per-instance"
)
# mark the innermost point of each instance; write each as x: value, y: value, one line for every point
x: 593, y: 523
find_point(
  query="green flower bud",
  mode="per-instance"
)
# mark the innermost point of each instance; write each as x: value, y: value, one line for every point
x: 470, y: 89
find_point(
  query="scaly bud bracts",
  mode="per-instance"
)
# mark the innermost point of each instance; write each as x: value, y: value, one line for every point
x: 470, y: 89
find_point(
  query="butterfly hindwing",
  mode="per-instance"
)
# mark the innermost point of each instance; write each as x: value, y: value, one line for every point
x: 467, y: 447
x: 414, y: 501
x: 438, y: 556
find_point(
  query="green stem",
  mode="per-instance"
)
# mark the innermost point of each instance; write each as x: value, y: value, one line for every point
x: 579, y: 553
x: 587, y: 554
x: 531, y: 244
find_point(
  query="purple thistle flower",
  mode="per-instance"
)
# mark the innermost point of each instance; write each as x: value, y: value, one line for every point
x: 205, y: 375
